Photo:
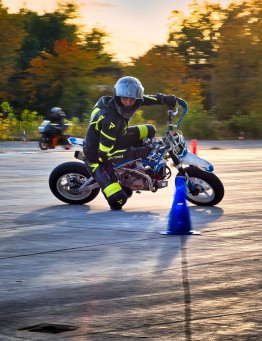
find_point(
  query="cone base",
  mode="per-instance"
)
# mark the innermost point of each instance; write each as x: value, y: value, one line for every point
x: 169, y: 233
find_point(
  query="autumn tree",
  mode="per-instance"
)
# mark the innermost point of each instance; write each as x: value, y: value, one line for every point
x: 67, y: 79
x: 161, y: 71
x: 238, y: 66
x: 44, y: 30
x: 95, y: 41
x: 11, y: 38
x: 195, y: 37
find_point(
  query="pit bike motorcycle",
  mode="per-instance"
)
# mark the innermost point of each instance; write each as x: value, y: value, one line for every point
x: 52, y: 135
x: 72, y: 183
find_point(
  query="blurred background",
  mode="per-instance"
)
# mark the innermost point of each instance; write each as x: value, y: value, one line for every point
x: 69, y: 54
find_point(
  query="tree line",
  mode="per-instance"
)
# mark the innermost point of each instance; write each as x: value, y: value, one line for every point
x: 212, y: 59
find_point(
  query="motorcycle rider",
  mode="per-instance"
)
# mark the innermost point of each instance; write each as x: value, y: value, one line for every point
x: 109, y: 139
x: 57, y: 116
x: 57, y: 119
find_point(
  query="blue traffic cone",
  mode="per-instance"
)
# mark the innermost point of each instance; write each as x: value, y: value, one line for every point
x: 179, y: 221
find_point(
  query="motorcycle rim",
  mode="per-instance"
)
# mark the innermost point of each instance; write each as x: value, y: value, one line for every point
x: 66, y: 179
x: 210, y: 187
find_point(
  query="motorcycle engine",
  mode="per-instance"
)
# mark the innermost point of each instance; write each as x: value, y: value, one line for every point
x: 134, y: 181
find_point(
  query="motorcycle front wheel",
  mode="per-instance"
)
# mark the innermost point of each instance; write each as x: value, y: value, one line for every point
x: 211, y: 189
x: 65, y: 181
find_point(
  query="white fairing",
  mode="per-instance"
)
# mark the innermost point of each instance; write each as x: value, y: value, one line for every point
x: 194, y: 160
x: 76, y: 141
x: 44, y: 126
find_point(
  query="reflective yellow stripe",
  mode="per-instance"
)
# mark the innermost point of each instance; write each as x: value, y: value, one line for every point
x: 94, y: 166
x: 108, y: 137
x: 104, y: 148
x: 150, y: 97
x: 94, y: 112
x: 143, y: 131
x: 116, y: 152
x: 112, y: 189
x: 96, y: 122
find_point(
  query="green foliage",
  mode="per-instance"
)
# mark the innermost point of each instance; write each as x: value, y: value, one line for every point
x: 30, y: 121
x: 6, y: 108
x: 195, y: 37
x: 44, y: 30
x: 139, y: 119
x: 95, y: 41
x: 12, y: 128
x: 211, y: 59
x: 222, y: 47
x: 11, y: 38
x: 173, y: 77
x: 196, y: 124
x: 237, y: 69
x: 199, y: 124
x: 78, y: 129
x: 249, y: 125
x: 8, y: 122
x: 6, y: 127
x: 67, y: 79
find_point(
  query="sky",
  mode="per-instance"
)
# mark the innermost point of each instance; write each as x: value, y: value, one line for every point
x: 134, y: 26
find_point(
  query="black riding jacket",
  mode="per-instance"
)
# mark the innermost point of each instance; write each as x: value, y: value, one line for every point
x: 106, y: 127
x: 58, y: 119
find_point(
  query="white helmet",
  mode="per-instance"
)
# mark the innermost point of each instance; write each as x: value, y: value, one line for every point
x: 56, y: 110
x: 129, y: 87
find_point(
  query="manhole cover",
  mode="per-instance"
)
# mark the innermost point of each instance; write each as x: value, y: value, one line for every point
x: 50, y: 328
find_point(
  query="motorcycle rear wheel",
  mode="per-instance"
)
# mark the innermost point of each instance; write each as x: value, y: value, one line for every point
x: 67, y: 178
x: 210, y: 186
x: 44, y: 143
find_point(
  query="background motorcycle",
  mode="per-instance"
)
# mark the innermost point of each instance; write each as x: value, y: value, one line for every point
x: 52, y: 135
x: 71, y: 182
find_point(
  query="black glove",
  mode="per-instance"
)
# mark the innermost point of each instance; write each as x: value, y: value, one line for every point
x: 137, y: 153
x: 168, y: 100
x: 142, y: 152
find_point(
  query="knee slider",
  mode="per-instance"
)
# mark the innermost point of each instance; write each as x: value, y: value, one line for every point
x: 117, y: 199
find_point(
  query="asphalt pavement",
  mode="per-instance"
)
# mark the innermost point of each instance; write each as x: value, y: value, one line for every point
x: 87, y: 273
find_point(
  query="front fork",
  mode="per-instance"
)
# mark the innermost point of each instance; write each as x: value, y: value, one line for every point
x: 181, y: 172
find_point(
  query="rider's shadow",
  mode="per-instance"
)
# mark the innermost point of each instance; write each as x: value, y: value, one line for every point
x: 84, y: 219
x: 80, y: 228
x: 60, y: 215
x: 54, y: 215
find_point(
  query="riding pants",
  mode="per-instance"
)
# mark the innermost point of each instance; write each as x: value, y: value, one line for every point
x: 103, y: 172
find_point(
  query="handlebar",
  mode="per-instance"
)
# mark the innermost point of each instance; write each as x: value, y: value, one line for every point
x: 172, y: 113
x: 182, y: 102
x: 184, y: 107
